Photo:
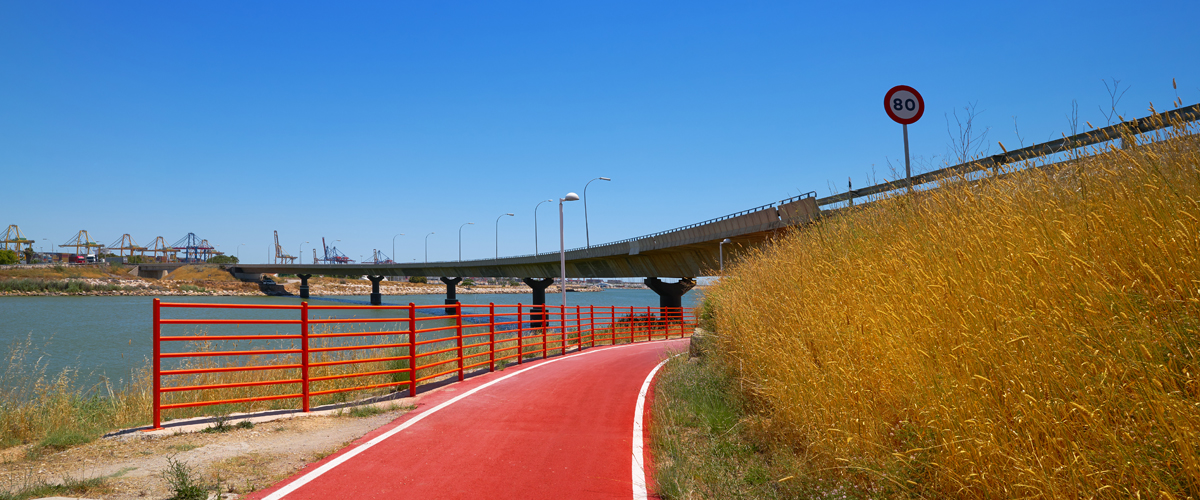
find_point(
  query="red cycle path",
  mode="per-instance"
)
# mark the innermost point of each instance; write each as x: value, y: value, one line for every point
x: 558, y: 428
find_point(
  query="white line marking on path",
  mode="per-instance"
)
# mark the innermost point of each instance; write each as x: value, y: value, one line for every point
x: 639, y: 467
x: 319, y: 471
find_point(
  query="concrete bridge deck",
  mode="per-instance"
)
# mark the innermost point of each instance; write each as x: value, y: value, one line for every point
x: 688, y: 251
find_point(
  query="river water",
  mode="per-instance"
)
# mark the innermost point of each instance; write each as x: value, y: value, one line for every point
x: 105, y: 336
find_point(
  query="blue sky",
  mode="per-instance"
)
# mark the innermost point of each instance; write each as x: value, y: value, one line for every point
x: 231, y: 120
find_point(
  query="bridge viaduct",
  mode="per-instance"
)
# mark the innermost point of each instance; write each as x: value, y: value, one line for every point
x: 685, y: 252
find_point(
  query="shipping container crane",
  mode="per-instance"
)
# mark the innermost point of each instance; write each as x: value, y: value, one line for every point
x: 282, y: 257
x: 333, y: 256
x: 126, y: 243
x: 81, y: 240
x: 194, y: 249
x: 378, y: 257
x: 161, y: 251
x: 12, y: 239
x: 213, y: 251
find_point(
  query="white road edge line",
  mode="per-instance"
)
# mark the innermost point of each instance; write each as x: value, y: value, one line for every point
x: 319, y: 471
x: 639, y: 437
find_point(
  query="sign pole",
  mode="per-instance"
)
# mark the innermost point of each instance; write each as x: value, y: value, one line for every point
x: 904, y: 105
x: 907, y: 165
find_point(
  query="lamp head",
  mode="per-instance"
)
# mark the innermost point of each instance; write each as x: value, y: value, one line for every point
x: 510, y: 215
x: 605, y: 179
x: 570, y: 197
x: 726, y: 240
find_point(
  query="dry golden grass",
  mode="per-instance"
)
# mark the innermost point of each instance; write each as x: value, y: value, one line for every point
x: 1030, y: 335
x: 207, y: 273
x: 61, y: 272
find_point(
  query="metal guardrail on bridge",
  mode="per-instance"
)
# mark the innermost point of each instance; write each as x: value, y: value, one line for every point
x: 1150, y: 123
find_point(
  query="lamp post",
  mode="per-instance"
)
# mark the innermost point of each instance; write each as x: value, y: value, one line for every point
x: 562, y: 249
x: 238, y: 252
x: 427, y: 247
x: 585, y: 219
x: 498, y: 234
x: 535, y: 239
x: 394, y: 246
x: 300, y: 256
x: 460, y: 239
x: 721, y: 249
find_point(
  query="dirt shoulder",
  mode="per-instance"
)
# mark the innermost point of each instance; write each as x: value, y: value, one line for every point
x: 241, y: 460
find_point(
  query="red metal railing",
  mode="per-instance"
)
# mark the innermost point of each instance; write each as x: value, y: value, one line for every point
x: 415, y: 349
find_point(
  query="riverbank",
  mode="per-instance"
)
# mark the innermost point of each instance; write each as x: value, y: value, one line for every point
x: 209, y: 280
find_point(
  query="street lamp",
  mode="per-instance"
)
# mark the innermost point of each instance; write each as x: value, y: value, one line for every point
x: 427, y: 247
x: 721, y: 249
x: 300, y: 256
x: 498, y: 234
x: 460, y: 239
x: 585, y: 221
x: 535, y: 242
x: 562, y: 249
x: 238, y: 252
x: 394, y: 247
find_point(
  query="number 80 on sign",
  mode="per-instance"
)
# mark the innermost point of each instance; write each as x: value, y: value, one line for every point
x: 904, y: 104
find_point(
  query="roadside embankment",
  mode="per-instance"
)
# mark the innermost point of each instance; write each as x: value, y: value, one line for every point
x: 1033, y: 334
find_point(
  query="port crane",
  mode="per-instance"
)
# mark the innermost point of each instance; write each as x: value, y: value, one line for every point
x: 282, y: 257
x: 333, y: 256
x: 12, y: 239
x: 126, y: 243
x: 82, y: 240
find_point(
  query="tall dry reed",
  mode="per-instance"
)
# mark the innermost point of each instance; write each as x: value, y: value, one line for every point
x: 1034, y: 334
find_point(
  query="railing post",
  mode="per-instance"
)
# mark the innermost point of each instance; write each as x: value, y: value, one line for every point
x: 612, y: 325
x: 591, y: 325
x: 412, y: 350
x: 304, y: 353
x: 578, y: 329
x: 492, y: 336
x: 649, y: 324
x: 157, y: 366
x: 458, y: 329
x: 545, y: 323
x: 632, y: 325
x: 520, y: 336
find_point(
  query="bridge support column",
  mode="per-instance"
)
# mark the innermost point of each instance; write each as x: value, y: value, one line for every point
x: 451, y: 294
x: 670, y: 295
x: 304, y: 285
x: 376, y: 297
x: 539, y: 286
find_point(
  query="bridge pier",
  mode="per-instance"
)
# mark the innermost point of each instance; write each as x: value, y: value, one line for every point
x: 670, y: 295
x: 376, y: 297
x: 451, y: 294
x: 539, y: 286
x: 304, y: 285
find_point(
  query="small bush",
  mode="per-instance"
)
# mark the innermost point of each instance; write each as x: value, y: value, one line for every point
x: 8, y: 257
x: 182, y: 481
x: 417, y: 279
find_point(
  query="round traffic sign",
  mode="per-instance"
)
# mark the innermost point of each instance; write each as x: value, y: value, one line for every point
x: 904, y: 104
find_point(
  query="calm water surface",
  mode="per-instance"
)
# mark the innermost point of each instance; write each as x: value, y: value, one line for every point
x: 110, y: 336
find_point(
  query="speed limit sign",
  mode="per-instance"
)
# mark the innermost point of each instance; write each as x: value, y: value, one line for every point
x: 904, y: 104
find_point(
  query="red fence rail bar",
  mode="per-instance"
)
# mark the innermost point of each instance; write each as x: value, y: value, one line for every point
x: 424, y: 348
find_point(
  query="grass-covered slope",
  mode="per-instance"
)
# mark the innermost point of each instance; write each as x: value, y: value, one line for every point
x: 1029, y: 335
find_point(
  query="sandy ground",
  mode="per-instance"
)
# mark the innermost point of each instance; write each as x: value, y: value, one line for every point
x: 241, y: 460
